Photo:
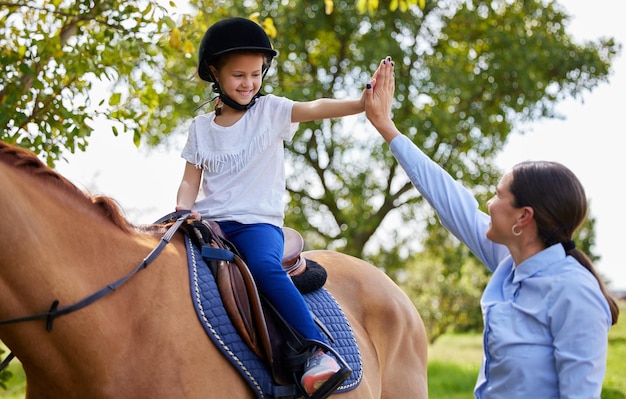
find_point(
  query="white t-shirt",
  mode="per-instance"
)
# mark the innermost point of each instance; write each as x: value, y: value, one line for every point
x: 243, y: 171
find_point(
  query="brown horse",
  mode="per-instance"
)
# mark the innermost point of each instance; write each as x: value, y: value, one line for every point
x: 143, y: 340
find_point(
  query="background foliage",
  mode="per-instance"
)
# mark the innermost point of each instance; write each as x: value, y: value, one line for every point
x: 54, y: 52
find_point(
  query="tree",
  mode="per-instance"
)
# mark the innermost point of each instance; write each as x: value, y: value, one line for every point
x: 466, y: 75
x: 445, y: 294
x: 54, y: 52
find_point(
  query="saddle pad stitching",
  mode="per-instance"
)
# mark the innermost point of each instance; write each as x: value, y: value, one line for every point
x: 216, y: 333
x: 357, y: 381
x: 321, y: 303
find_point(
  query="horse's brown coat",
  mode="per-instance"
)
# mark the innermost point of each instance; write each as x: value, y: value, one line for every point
x: 144, y: 339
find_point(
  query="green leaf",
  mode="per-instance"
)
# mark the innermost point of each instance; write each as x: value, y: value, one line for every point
x: 115, y: 99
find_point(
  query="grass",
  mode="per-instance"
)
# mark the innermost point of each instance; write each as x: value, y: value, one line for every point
x: 17, y: 383
x: 614, y: 382
x: 454, y: 361
x: 453, y: 365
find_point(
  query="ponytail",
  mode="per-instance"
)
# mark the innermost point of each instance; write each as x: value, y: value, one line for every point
x: 584, y: 260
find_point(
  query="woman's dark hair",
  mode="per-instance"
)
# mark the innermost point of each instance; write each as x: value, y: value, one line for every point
x: 560, y: 207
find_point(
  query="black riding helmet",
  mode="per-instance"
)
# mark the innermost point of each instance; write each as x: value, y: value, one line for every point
x: 230, y: 35
x: 227, y: 36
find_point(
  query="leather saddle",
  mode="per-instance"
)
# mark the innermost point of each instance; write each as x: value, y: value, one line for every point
x: 260, y: 326
x: 238, y: 290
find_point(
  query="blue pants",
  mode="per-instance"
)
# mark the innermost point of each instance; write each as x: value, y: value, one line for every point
x: 261, y: 246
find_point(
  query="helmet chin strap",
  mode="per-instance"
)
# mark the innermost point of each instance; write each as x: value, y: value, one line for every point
x: 232, y: 103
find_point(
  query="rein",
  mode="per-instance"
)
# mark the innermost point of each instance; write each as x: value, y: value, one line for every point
x: 56, y: 311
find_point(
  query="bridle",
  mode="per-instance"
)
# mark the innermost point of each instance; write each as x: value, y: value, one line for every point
x: 56, y: 311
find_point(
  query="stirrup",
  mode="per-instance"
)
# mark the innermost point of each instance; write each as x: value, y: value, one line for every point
x: 333, y: 382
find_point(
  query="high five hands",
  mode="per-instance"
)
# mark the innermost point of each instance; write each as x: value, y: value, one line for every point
x: 379, y: 97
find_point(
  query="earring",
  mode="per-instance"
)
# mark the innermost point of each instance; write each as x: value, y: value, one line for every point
x: 516, y: 233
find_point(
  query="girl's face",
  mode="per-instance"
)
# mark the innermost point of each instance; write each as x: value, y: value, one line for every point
x: 503, y: 213
x: 240, y: 76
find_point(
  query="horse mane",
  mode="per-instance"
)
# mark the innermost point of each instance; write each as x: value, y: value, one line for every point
x: 27, y: 161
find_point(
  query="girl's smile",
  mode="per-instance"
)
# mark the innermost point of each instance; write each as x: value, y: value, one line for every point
x: 240, y: 76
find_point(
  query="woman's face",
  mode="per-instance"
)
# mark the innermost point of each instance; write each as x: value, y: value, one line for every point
x: 503, y: 213
x: 241, y: 76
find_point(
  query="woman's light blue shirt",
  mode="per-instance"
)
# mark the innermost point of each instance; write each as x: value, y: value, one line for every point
x: 546, y: 321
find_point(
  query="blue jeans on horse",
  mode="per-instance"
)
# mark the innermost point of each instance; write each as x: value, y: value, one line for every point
x: 261, y: 246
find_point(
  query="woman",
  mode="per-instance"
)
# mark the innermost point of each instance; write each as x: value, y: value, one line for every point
x: 546, y: 312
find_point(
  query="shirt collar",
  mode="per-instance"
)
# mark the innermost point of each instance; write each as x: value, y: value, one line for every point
x: 539, y: 262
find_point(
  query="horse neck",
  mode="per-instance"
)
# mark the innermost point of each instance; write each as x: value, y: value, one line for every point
x: 49, y: 230
x: 56, y: 245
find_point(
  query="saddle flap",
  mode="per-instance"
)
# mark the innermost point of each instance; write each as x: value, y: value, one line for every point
x: 241, y: 300
x: 258, y: 324
x: 262, y: 379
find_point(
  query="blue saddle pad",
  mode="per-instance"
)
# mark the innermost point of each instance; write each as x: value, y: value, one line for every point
x: 217, y: 324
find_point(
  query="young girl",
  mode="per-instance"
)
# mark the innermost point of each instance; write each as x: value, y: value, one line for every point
x: 236, y: 153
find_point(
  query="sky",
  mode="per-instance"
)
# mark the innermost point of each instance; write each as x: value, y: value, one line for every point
x: 589, y: 140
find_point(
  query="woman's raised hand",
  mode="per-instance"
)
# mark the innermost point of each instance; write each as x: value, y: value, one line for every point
x: 379, y: 98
